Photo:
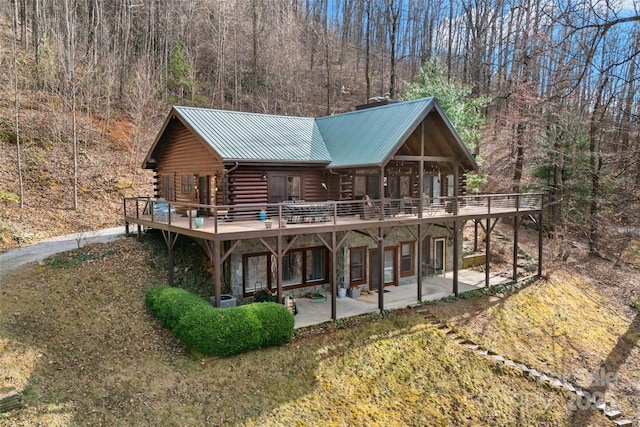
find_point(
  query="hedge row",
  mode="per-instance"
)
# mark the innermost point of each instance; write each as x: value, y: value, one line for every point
x: 219, y: 331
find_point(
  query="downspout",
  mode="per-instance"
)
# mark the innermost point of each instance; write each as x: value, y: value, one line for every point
x: 232, y: 169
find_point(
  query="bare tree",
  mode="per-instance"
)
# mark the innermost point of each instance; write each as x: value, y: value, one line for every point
x: 16, y: 93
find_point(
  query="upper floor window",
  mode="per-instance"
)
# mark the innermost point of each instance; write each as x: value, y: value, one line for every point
x: 284, y: 187
x: 366, y: 185
x: 187, y: 184
x: 451, y: 191
x: 168, y: 189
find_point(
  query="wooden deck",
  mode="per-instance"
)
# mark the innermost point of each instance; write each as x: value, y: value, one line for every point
x: 242, y: 221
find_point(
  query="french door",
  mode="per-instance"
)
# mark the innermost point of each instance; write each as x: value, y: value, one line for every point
x: 390, y: 267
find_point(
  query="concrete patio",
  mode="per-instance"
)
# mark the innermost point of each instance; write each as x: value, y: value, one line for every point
x: 312, y: 312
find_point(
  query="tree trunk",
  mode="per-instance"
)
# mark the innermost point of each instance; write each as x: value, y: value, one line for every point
x: 17, y: 106
x: 595, y: 166
x: 367, y: 52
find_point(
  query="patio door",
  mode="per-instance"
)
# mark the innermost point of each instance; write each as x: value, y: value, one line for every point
x: 436, y: 189
x: 277, y: 188
x: 390, y: 267
x: 204, y: 190
x: 440, y: 253
x: 284, y: 187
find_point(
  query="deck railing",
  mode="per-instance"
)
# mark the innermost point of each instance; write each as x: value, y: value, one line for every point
x: 301, y: 212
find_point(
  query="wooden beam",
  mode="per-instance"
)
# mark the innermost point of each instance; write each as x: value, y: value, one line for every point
x: 324, y: 242
x: 381, y: 268
x: 475, y: 235
x: 267, y: 246
x: 516, y: 226
x: 279, y: 257
x: 295, y: 237
x: 230, y: 251
x: 421, y: 171
x: 455, y: 259
x: 402, y: 158
x: 170, y: 239
x: 209, y: 244
x: 217, y: 271
x: 414, y: 235
x: 424, y: 234
x: 334, y: 276
x: 343, y: 239
x: 487, y: 248
x: 419, y: 257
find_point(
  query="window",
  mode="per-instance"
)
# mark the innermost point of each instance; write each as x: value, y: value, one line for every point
x: 282, y: 187
x: 187, y: 185
x: 373, y: 186
x: 406, y: 259
x: 315, y: 264
x: 256, y: 272
x: 293, y: 187
x: 366, y: 185
x: 405, y: 186
x: 359, y: 186
x: 393, y: 187
x: 450, y: 185
x: 168, y: 190
x: 292, y: 268
x: 357, y: 265
x: 300, y: 268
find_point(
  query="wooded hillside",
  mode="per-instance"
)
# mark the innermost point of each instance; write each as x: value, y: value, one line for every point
x: 87, y: 84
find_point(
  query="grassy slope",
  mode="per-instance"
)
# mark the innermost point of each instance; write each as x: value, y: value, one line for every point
x: 76, y: 338
x: 561, y: 326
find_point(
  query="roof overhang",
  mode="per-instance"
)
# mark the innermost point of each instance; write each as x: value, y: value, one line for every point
x: 162, y: 139
x: 465, y: 159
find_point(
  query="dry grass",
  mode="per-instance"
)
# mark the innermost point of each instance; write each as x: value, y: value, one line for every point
x: 561, y: 326
x: 78, y: 341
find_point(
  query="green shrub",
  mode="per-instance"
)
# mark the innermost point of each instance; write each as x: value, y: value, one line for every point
x: 170, y: 304
x: 152, y: 296
x: 219, y: 331
x: 276, y: 321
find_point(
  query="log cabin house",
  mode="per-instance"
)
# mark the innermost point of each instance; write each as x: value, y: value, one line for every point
x: 362, y: 200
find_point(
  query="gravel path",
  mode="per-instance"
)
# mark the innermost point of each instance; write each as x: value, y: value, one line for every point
x: 39, y: 251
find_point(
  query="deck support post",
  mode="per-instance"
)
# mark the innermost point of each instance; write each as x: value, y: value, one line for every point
x: 516, y: 226
x: 381, y: 269
x: 421, y: 172
x: 217, y: 267
x: 487, y: 249
x: 419, y: 258
x: 475, y: 235
x: 456, y: 254
x: 280, y: 253
x: 334, y: 275
x: 170, y: 239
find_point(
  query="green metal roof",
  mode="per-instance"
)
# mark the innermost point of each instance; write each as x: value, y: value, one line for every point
x: 239, y: 136
x: 359, y: 138
x: 367, y: 137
